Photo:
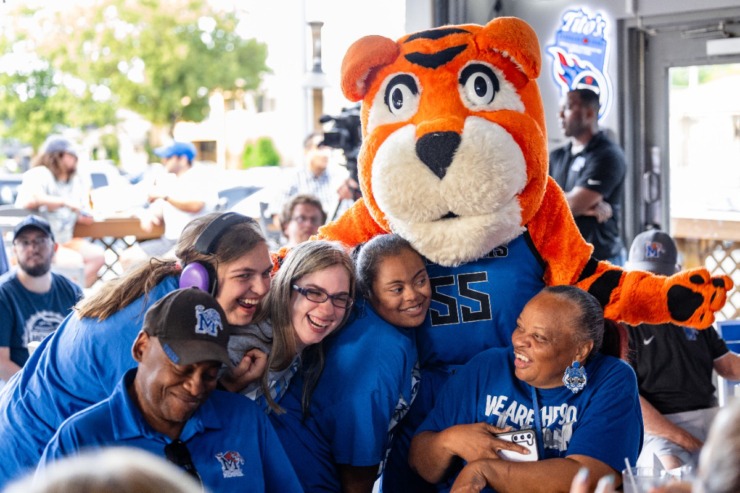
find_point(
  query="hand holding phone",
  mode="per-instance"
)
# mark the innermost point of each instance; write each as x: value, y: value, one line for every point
x: 525, y: 438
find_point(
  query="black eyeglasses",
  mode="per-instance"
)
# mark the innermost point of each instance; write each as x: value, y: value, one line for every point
x: 319, y: 296
x: 40, y: 241
x: 314, y: 220
x: 177, y: 453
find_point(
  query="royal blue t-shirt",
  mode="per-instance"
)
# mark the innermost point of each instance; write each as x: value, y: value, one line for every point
x: 79, y: 365
x: 26, y: 316
x: 606, y: 411
x: 364, y: 390
x: 230, y: 440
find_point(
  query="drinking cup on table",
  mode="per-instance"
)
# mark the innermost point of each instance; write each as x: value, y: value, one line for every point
x: 642, y: 479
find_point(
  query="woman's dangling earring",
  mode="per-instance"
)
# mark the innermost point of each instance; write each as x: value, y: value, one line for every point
x: 575, y: 377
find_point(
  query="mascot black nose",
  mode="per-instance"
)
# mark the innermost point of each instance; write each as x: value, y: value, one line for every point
x: 437, y: 149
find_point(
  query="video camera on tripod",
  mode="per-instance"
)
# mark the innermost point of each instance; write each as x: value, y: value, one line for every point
x: 346, y: 134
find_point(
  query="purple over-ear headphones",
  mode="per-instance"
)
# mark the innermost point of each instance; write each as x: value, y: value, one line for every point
x: 203, y: 276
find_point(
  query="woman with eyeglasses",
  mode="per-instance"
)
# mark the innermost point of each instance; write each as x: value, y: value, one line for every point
x: 337, y: 436
x: 81, y: 363
x: 310, y: 298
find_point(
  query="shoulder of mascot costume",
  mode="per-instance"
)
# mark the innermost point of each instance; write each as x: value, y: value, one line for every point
x: 454, y: 159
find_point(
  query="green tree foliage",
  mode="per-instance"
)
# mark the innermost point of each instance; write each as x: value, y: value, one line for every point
x: 159, y: 58
x: 260, y: 153
x: 34, y: 105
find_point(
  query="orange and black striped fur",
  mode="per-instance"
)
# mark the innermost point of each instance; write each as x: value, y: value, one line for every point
x: 454, y: 159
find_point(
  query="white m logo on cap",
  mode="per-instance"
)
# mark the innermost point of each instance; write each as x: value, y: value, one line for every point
x: 207, y: 321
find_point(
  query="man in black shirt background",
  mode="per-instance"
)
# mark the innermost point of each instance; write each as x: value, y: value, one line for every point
x: 591, y: 169
x: 674, y: 369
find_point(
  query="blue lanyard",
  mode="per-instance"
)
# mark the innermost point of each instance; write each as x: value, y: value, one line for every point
x: 538, y: 425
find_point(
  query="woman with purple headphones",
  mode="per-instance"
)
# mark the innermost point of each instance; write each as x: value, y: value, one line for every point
x: 83, y: 360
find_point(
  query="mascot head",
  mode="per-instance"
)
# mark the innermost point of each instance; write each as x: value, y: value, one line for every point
x: 454, y: 154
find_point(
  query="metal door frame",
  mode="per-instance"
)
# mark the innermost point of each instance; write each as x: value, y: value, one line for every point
x: 641, y: 117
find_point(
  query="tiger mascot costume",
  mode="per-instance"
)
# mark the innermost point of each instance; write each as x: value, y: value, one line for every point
x: 454, y: 159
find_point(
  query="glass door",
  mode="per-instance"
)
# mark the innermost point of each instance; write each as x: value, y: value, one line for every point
x: 684, y: 124
x: 704, y: 140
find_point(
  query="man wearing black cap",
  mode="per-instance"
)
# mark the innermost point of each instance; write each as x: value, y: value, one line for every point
x: 674, y: 369
x: 181, y: 194
x: 33, y: 300
x: 169, y: 405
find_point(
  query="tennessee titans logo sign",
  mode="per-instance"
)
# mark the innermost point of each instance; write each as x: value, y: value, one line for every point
x: 580, y: 55
x: 231, y: 464
x: 207, y: 321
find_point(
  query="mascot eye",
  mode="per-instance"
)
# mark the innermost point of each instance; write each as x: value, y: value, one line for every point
x: 479, y: 84
x: 401, y: 95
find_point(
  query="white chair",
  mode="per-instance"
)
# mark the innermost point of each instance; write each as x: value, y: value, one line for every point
x: 729, y: 330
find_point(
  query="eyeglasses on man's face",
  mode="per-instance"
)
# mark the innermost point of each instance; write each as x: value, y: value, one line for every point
x: 177, y: 453
x: 317, y: 295
x: 314, y: 220
x: 26, y: 243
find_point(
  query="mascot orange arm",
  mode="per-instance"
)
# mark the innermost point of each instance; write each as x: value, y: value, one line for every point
x: 454, y: 159
x: 687, y: 298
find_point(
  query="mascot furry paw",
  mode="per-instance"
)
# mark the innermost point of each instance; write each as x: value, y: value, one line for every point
x: 454, y: 159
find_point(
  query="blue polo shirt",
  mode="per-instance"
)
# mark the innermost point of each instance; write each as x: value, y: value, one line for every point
x: 364, y: 390
x: 231, y: 442
x: 77, y: 366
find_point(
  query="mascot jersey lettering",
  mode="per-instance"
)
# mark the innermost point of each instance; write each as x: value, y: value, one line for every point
x: 475, y: 305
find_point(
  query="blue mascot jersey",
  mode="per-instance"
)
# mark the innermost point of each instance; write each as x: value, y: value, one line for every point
x: 365, y: 388
x: 606, y: 411
x: 475, y: 305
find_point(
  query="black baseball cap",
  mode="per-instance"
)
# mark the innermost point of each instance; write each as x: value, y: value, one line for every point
x: 654, y: 251
x: 33, y: 221
x: 191, y: 327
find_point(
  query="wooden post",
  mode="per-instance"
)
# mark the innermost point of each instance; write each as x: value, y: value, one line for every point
x: 317, y: 75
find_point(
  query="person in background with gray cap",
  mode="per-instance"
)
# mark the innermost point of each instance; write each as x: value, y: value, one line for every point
x: 54, y: 188
x: 169, y: 405
x: 674, y: 369
x: 33, y: 300
x: 176, y: 197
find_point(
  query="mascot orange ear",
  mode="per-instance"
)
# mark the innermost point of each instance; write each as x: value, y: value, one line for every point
x: 365, y: 55
x: 520, y: 41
